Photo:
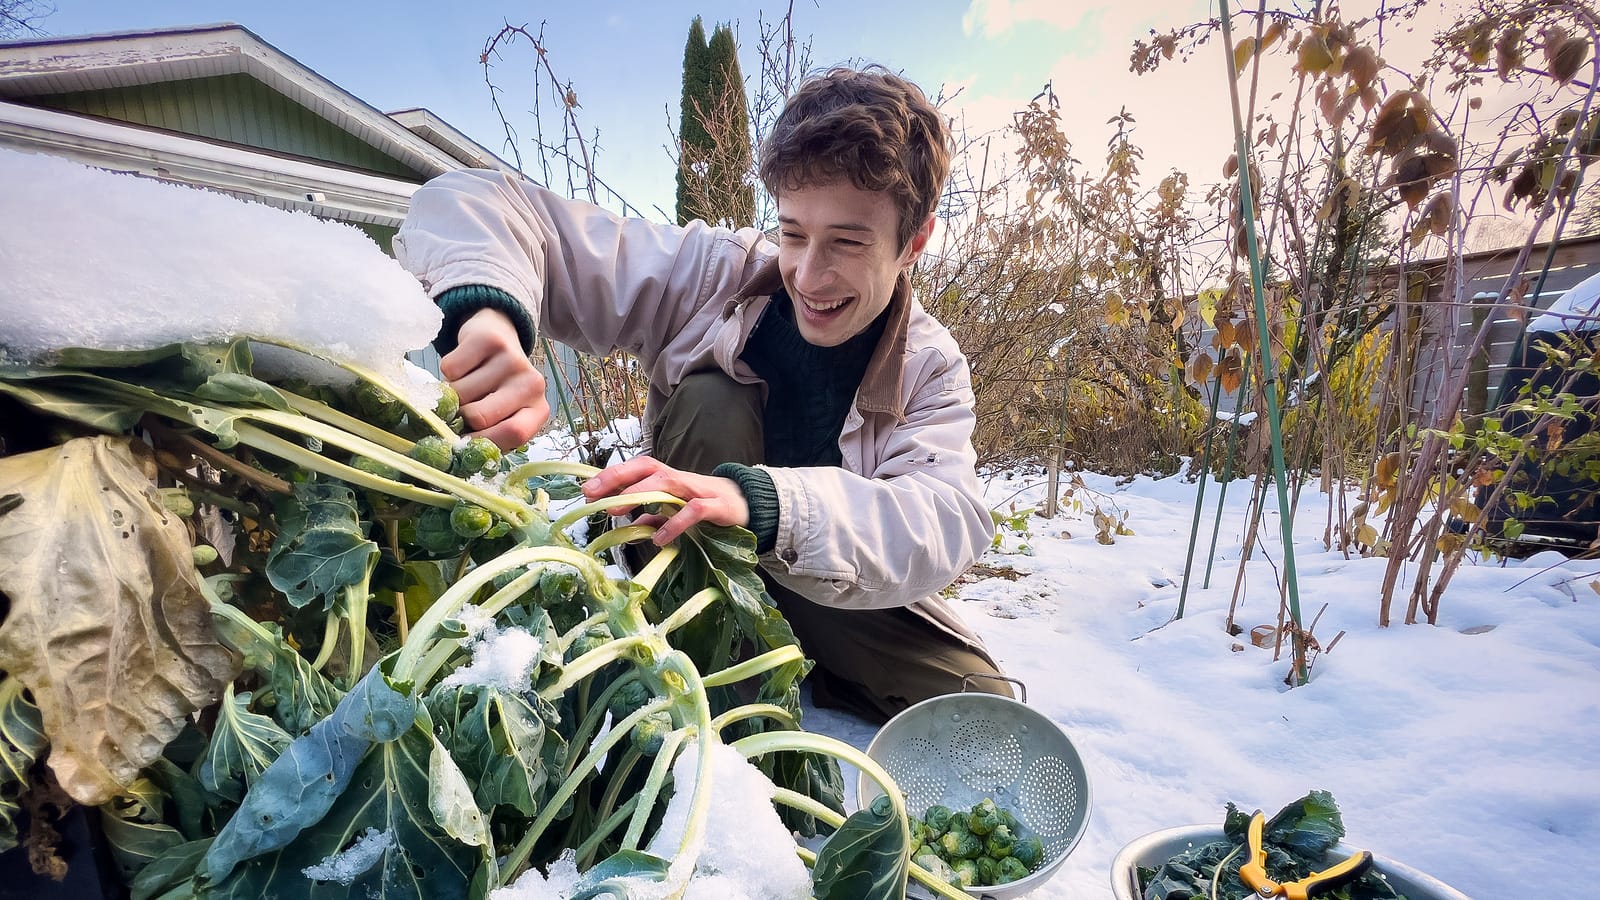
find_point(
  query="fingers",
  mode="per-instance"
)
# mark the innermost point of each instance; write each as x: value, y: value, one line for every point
x: 717, y: 501
x: 518, y: 428
x: 522, y: 389
x: 622, y: 478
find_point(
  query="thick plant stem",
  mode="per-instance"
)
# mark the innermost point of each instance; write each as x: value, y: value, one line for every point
x: 322, y: 412
x: 620, y: 500
x: 752, y: 710
x: 544, y: 467
x: 624, y: 535
x: 585, y: 851
x: 652, y: 787
x: 755, y: 666
x: 451, y: 601
x: 692, y: 607
x: 518, y: 858
x: 289, y: 451
x: 502, y: 506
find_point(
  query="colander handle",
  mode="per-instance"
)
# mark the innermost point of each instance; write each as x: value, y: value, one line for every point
x: 1022, y: 689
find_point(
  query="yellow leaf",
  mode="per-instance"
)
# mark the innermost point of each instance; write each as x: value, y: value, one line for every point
x: 1366, y: 534
x: 1595, y: 586
x: 1464, y: 509
x: 1242, y: 52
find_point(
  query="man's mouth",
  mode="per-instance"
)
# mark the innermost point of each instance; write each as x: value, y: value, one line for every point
x: 824, y: 307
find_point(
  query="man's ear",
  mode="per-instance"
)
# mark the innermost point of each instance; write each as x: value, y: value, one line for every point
x: 917, y: 244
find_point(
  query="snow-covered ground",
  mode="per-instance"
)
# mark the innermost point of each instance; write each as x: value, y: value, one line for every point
x: 1468, y: 750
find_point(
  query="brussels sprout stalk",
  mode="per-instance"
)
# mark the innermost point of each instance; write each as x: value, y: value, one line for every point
x: 652, y: 787
x: 752, y: 710
x: 322, y: 412
x: 755, y: 665
x: 518, y: 858
x: 640, y: 498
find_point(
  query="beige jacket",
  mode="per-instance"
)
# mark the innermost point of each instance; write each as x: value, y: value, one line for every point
x: 903, y: 516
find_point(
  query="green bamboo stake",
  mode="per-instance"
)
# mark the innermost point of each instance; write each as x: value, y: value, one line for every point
x: 1269, y: 377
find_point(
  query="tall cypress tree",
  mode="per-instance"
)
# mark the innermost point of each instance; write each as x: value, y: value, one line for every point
x: 694, y: 143
x: 732, y: 197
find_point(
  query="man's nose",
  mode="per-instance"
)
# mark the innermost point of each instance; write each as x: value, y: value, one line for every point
x: 814, y: 270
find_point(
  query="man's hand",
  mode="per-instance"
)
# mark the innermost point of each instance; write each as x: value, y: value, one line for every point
x: 501, y: 390
x: 715, y: 500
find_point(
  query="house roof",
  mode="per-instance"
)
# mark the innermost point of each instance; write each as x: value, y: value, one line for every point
x: 57, y: 65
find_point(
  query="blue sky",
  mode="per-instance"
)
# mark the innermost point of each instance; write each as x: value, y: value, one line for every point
x: 624, y: 58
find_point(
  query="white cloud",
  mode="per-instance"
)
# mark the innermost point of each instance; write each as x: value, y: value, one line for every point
x: 993, y: 18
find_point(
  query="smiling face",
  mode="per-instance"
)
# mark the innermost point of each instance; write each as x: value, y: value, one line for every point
x: 839, y: 257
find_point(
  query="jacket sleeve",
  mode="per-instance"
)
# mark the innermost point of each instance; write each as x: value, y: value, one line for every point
x: 592, y: 280
x: 905, y: 533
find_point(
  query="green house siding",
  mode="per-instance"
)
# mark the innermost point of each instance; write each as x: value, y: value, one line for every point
x: 233, y: 108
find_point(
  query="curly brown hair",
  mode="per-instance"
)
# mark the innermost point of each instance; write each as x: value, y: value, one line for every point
x: 869, y: 126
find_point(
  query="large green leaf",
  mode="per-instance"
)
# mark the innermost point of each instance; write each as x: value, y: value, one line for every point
x: 498, y: 738
x: 242, y: 746
x: 296, y: 695
x: 389, y: 795
x: 304, y: 782
x: 322, y: 550
x: 865, y: 859
x: 617, y: 873
x: 107, y: 627
x: 134, y: 826
x: 22, y: 740
x: 169, y: 872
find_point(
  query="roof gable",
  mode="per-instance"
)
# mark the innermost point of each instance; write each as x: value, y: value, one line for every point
x: 78, y: 66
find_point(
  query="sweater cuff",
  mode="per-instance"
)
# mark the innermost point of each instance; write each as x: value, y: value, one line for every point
x: 459, y: 304
x: 761, y: 496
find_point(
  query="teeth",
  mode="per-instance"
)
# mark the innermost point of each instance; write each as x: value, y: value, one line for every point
x: 827, y: 307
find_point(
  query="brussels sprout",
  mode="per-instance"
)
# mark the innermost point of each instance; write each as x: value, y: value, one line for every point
x: 1027, y: 850
x: 958, y: 843
x: 434, y: 533
x: 204, y: 554
x: 449, y: 402
x: 988, y: 869
x: 1010, y: 869
x: 377, y: 405
x: 937, y: 819
x: 434, y: 451
x: 177, y: 501
x: 475, y: 456
x: 592, y: 638
x: 984, y: 817
x: 558, y: 584
x: 936, y: 867
x: 373, y: 467
x: 999, y: 842
x: 881, y: 806
x: 966, y: 872
x: 628, y: 698
x: 470, y: 521
x: 919, y: 830
x: 1010, y: 821
x: 650, y: 732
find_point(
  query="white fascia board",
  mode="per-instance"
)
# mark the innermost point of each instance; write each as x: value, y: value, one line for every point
x: 287, y: 183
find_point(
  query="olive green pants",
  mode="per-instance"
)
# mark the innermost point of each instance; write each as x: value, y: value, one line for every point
x: 873, y: 662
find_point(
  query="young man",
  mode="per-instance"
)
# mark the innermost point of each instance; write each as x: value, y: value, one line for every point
x: 797, y: 390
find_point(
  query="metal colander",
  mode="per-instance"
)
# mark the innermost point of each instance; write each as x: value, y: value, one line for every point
x: 960, y: 748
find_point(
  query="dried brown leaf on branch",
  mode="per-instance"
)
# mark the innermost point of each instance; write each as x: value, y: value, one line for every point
x: 1508, y: 52
x: 1564, y: 53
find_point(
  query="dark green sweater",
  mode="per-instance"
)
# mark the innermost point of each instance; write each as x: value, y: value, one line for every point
x: 810, y: 389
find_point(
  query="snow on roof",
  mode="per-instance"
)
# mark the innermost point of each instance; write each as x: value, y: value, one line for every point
x: 100, y: 259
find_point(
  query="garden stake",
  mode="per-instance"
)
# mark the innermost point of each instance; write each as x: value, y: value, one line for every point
x: 1269, y: 379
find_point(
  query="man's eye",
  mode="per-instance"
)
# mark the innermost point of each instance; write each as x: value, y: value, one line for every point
x: 789, y: 236
x: 849, y: 243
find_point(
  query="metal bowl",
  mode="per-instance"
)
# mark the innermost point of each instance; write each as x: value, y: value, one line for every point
x: 1155, y: 848
x: 960, y: 748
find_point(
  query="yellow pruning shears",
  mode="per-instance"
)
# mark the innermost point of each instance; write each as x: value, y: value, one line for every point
x: 1254, y: 872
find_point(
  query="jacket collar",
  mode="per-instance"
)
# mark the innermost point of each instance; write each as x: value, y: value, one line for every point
x: 881, y: 386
